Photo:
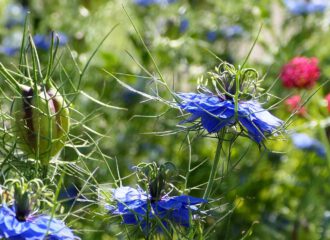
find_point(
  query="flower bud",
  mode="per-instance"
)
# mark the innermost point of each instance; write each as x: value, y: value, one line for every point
x: 41, y: 122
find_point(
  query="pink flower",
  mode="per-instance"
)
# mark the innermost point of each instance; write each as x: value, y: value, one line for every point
x: 327, y: 98
x: 300, y: 72
x: 294, y: 105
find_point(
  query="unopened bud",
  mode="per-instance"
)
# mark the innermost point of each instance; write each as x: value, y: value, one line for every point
x: 41, y: 122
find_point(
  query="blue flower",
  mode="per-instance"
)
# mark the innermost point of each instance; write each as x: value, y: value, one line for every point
x: 232, y: 31
x: 11, y: 43
x: 216, y: 113
x: 184, y: 25
x: 305, y: 142
x: 300, y: 7
x: 33, y: 227
x: 211, y: 36
x: 146, y: 3
x: 44, y: 41
x: 137, y: 208
x: 15, y: 14
x: 70, y: 195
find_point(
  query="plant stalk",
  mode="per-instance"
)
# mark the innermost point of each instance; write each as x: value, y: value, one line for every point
x: 214, y: 167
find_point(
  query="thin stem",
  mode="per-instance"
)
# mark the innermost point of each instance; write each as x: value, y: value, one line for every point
x: 215, y: 166
x: 325, y: 142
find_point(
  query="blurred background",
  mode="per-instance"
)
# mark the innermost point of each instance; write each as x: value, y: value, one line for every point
x: 280, y: 191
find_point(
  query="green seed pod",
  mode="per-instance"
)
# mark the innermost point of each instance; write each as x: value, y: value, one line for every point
x: 41, y: 122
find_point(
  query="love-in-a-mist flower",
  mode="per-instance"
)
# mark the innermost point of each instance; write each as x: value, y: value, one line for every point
x: 139, y: 208
x: 11, y: 43
x: 20, y: 226
x: 294, y: 105
x: 300, y: 7
x: 212, y: 35
x: 216, y: 113
x: 232, y: 31
x: 153, y: 2
x: 14, y: 14
x: 304, y: 142
x: 327, y: 99
x: 184, y: 25
x: 234, y: 101
x: 300, y: 72
x: 43, y: 41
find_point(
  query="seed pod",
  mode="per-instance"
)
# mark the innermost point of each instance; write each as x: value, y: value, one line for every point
x: 41, y: 122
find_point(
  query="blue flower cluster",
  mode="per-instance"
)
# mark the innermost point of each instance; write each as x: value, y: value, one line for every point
x: 305, y: 142
x: 43, y: 41
x: 11, y: 43
x: 300, y: 7
x: 136, y: 207
x: 216, y: 113
x: 34, y: 227
x: 152, y: 2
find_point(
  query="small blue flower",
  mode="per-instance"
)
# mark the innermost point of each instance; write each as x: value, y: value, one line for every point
x: 216, y: 113
x: 137, y: 208
x: 69, y: 195
x: 11, y: 43
x: 33, y: 227
x: 15, y: 14
x: 231, y: 32
x: 184, y: 25
x: 146, y: 3
x: 44, y: 41
x: 211, y: 36
x: 300, y: 7
x: 305, y: 142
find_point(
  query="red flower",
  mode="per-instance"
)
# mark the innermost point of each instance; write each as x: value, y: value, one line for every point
x: 327, y: 98
x: 300, y: 72
x: 294, y: 105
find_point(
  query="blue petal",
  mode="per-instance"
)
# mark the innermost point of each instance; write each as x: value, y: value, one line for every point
x: 253, y: 131
x: 130, y: 218
x: 214, y: 112
x: 258, y: 121
x: 305, y: 142
x: 299, y: 7
x: 127, y: 194
x: 168, y: 204
x: 182, y: 216
x: 213, y: 124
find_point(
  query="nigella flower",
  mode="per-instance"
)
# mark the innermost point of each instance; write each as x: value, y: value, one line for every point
x: 15, y: 14
x: 138, y: 208
x: 152, y: 2
x: 69, y: 195
x: 44, y: 41
x: 11, y: 43
x: 300, y: 7
x: 216, y: 113
x: 211, y: 36
x: 294, y: 105
x: 305, y: 142
x: 31, y: 227
x: 232, y: 31
x: 184, y: 25
x: 300, y: 72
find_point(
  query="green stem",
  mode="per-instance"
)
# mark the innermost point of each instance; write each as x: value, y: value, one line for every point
x: 325, y: 143
x: 214, y: 167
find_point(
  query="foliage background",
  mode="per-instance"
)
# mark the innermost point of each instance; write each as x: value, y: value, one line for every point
x: 276, y: 193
